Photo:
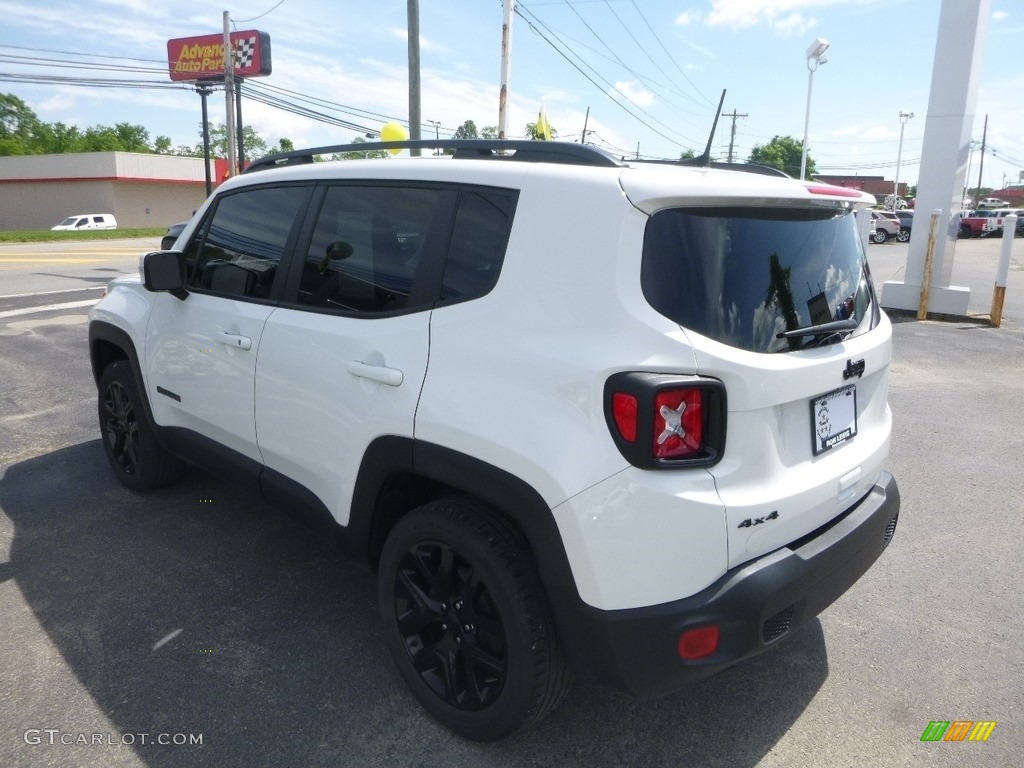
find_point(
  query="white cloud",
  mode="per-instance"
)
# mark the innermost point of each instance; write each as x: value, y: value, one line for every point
x: 784, y: 16
x: 1000, y: 15
x: 633, y: 92
x: 794, y: 24
x: 686, y: 18
x: 701, y: 50
x: 425, y: 43
x: 56, y: 104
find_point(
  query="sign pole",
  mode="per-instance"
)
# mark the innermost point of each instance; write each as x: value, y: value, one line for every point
x: 203, y: 93
x: 238, y: 124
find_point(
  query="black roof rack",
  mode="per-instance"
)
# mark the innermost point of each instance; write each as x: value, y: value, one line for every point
x: 478, y: 149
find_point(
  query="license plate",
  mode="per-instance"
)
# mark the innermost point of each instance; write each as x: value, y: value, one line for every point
x: 833, y: 418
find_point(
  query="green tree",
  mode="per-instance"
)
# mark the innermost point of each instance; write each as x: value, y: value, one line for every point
x: 283, y: 145
x: 359, y: 155
x: 784, y: 153
x: 466, y: 131
x: 254, y: 145
x: 18, y: 124
x: 489, y: 132
x: 687, y: 155
x: 56, y: 139
x: 132, y: 138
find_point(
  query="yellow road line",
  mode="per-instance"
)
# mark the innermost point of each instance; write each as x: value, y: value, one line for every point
x: 25, y: 261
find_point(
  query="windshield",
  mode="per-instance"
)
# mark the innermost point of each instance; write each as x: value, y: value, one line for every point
x: 742, y: 276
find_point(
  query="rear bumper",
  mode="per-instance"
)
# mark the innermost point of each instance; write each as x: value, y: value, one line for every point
x: 754, y: 605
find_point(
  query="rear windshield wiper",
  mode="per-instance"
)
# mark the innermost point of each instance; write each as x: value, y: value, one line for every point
x: 817, y: 330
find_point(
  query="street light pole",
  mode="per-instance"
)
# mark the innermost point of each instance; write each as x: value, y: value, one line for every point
x: 904, y: 117
x: 816, y: 54
x: 437, y: 133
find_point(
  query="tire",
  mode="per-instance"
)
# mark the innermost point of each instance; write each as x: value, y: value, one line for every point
x: 903, y: 236
x: 964, y: 232
x: 129, y: 439
x: 467, y: 622
x: 880, y: 236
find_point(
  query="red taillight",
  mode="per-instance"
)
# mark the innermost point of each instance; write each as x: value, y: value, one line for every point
x: 665, y: 420
x: 698, y: 643
x: 678, y: 423
x: 624, y: 411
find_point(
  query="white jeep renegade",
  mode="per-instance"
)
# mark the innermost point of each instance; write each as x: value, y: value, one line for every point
x: 582, y: 414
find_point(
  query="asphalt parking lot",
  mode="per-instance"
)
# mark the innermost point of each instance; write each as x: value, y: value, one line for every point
x: 200, y: 613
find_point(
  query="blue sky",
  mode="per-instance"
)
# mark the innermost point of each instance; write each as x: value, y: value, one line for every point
x: 654, y: 71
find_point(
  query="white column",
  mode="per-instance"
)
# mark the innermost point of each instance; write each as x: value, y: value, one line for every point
x: 956, y: 73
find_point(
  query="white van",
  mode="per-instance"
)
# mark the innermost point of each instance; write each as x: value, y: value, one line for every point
x: 87, y: 221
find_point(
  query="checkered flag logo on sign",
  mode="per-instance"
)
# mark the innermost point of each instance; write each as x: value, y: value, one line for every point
x: 245, y: 49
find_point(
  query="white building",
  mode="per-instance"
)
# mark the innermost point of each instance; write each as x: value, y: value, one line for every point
x: 141, y: 190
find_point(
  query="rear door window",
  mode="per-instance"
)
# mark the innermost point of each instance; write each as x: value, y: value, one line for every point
x: 367, y: 248
x: 742, y: 276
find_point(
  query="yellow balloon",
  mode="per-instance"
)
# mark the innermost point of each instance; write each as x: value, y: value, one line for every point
x: 393, y: 132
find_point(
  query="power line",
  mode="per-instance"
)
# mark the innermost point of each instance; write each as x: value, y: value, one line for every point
x: 520, y: 8
x: 671, y: 58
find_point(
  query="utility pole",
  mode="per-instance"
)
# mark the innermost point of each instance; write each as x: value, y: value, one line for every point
x: 229, y: 93
x: 506, y: 55
x: 981, y: 160
x: 414, y: 73
x: 583, y: 136
x: 732, y: 135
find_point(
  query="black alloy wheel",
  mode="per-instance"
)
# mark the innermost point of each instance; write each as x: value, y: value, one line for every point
x: 121, y: 428
x: 467, y: 621
x: 450, y: 626
x: 129, y: 439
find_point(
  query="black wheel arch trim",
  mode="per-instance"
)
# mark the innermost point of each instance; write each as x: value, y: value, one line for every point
x: 455, y: 472
x: 102, y: 334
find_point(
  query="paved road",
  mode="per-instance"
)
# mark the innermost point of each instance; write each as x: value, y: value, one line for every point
x: 200, y: 612
x: 42, y: 267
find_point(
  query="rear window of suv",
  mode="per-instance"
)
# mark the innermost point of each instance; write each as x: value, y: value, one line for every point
x: 741, y: 276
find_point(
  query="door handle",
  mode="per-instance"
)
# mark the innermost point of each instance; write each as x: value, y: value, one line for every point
x: 379, y: 373
x: 234, y: 340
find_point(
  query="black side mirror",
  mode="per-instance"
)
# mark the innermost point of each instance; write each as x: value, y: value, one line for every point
x: 165, y: 271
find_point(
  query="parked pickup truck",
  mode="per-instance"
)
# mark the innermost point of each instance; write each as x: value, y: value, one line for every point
x: 976, y: 223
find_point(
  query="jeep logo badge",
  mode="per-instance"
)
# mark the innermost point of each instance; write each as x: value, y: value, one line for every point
x: 853, y: 369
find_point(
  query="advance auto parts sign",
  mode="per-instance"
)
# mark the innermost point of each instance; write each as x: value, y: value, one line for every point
x: 202, y: 58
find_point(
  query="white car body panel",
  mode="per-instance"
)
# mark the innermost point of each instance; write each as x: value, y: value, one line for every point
x: 192, y: 352
x: 314, y: 427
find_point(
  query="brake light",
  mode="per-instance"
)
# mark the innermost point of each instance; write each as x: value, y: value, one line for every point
x: 678, y: 423
x: 663, y: 421
x: 826, y: 189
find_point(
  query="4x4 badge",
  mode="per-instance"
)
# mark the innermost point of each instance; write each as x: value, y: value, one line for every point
x: 750, y: 522
x: 853, y: 369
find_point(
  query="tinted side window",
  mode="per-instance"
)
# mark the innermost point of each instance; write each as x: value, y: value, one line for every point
x: 366, y: 247
x: 479, y: 238
x: 242, y: 244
